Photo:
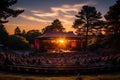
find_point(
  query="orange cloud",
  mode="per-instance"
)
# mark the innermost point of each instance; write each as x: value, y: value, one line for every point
x: 46, y: 14
x: 65, y: 13
x: 33, y: 18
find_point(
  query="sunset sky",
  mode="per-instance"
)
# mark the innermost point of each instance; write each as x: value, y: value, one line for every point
x: 40, y: 13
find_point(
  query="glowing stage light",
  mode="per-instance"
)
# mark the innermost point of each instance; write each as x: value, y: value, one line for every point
x: 61, y: 41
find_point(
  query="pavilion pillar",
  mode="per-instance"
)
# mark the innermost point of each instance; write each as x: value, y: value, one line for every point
x: 37, y: 44
x: 73, y: 44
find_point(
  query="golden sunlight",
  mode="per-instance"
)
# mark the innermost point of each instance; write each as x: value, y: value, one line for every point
x: 61, y: 41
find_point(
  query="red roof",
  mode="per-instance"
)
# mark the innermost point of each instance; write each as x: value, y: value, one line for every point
x: 58, y: 34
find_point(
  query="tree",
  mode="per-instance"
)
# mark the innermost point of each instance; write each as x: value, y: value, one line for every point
x: 17, y: 42
x: 88, y: 20
x: 31, y: 34
x: 6, y: 11
x: 3, y: 34
x: 55, y: 26
x: 23, y: 32
x: 113, y: 27
x: 113, y: 18
x: 17, y: 31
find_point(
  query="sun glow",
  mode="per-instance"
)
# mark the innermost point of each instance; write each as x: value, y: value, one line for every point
x: 61, y: 41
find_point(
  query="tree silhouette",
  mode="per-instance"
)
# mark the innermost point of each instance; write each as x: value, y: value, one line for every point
x: 31, y: 34
x: 55, y: 26
x: 88, y: 19
x: 6, y: 11
x: 3, y: 34
x: 17, y: 42
x: 23, y: 32
x: 17, y: 31
x: 113, y: 18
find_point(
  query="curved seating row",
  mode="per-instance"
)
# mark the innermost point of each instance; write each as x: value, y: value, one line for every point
x: 60, y: 69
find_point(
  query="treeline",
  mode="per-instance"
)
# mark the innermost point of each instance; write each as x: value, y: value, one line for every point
x: 22, y: 40
x: 89, y: 24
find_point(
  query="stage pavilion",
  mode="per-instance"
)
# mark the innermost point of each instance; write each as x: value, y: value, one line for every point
x: 58, y: 42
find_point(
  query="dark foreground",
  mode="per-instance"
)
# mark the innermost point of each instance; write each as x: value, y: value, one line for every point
x: 8, y: 76
x: 68, y: 66
x: 60, y: 70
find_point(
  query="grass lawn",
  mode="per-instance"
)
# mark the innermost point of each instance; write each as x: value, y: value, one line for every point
x: 4, y: 76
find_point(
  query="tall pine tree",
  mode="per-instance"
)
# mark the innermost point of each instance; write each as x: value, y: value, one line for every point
x: 113, y: 26
x: 113, y: 18
x: 3, y: 35
x: 6, y: 11
x: 87, y: 20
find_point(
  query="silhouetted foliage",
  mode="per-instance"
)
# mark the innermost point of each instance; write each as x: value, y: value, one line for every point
x: 17, y: 42
x: 56, y: 26
x: 17, y: 31
x: 31, y: 34
x: 113, y: 18
x: 3, y: 34
x: 113, y: 27
x: 6, y: 11
x: 23, y: 32
x: 87, y: 20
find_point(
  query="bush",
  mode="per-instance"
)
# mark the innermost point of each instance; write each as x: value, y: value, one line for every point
x: 18, y: 43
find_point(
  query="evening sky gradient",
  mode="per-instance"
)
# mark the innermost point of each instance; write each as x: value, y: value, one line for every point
x: 40, y: 13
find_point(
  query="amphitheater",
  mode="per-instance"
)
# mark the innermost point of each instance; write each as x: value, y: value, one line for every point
x: 62, y: 63
x: 60, y: 53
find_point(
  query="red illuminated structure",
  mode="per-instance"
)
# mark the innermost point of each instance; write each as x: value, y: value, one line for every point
x: 55, y: 41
